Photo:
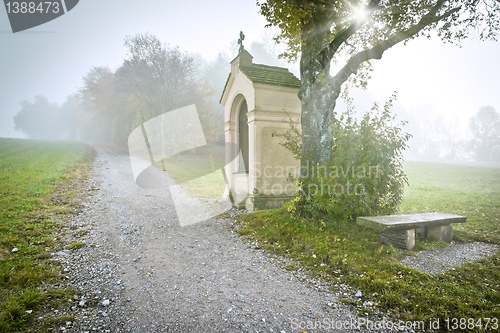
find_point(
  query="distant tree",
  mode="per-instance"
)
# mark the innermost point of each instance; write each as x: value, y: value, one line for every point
x: 152, y: 80
x: 162, y: 77
x: 454, y: 145
x: 68, y: 113
x: 38, y: 120
x: 265, y: 53
x: 96, y: 83
x: 100, y: 104
x: 165, y: 79
x: 425, y: 126
x: 215, y: 73
x: 44, y: 120
x: 484, y: 128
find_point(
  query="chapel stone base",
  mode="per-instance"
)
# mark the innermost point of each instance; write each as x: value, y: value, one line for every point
x: 263, y: 202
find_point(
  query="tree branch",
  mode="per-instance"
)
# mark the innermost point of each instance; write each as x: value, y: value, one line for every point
x: 327, y: 53
x: 378, y: 49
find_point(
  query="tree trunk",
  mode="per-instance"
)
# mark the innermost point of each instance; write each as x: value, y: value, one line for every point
x: 318, y: 95
x: 317, y: 119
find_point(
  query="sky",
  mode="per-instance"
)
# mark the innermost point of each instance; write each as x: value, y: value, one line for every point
x: 51, y: 59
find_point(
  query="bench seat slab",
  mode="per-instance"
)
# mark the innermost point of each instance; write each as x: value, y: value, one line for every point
x: 409, y: 221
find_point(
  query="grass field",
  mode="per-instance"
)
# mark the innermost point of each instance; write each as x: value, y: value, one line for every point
x: 456, y: 189
x: 30, y: 173
x: 341, y: 251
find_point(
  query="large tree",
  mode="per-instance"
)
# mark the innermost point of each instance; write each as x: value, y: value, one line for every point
x: 153, y: 79
x: 164, y: 79
x: 350, y: 34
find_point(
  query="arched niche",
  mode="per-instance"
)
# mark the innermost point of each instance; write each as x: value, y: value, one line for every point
x: 239, y: 120
x: 243, y: 138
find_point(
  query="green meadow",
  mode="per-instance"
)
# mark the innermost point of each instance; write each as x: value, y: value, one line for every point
x: 31, y: 172
x: 341, y: 251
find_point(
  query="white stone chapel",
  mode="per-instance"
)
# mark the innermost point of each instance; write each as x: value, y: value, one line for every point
x: 259, y: 100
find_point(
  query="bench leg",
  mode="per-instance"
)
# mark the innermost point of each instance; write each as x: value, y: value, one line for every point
x: 441, y: 232
x: 400, y: 239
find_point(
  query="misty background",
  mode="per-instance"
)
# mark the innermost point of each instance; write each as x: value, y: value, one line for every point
x: 75, y: 77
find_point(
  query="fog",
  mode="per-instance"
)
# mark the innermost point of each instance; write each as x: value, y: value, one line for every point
x: 440, y: 87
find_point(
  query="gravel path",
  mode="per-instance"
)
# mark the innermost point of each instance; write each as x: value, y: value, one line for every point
x: 438, y: 261
x: 141, y: 272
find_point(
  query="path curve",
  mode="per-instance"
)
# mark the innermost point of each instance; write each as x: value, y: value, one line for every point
x: 141, y: 272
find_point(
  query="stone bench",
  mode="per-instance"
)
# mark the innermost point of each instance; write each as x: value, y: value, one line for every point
x: 400, y: 230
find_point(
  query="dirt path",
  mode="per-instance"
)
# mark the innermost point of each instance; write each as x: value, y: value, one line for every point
x: 141, y: 272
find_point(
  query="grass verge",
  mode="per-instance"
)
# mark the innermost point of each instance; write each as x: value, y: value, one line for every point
x: 35, y: 185
x: 341, y: 251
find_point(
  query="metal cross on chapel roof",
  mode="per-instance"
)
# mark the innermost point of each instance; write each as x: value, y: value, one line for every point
x: 240, y: 42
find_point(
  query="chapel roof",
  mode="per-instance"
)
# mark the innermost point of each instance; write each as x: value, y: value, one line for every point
x: 258, y: 73
x: 272, y: 75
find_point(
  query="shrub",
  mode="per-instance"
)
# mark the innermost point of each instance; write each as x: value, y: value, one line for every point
x: 365, y: 175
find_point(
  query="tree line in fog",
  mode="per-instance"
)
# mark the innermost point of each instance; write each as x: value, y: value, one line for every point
x: 437, y: 139
x: 152, y: 80
x: 155, y: 78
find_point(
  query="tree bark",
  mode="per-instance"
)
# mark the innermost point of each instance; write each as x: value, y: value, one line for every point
x: 317, y: 99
